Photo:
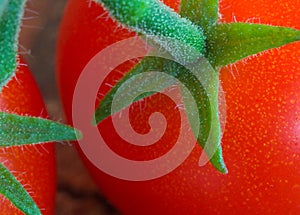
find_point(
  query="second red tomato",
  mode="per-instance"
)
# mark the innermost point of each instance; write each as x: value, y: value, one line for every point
x: 261, y: 143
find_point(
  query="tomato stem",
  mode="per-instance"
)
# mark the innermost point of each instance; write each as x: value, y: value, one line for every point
x: 153, y: 18
x: 202, y: 13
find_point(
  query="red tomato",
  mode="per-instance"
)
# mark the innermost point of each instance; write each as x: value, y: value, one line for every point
x: 32, y: 165
x: 261, y: 144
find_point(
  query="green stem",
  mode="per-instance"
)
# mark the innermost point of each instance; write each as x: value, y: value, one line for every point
x: 153, y: 18
x: 203, y: 13
x: 10, y: 21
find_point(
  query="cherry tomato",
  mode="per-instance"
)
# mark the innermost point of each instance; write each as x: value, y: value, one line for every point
x: 32, y: 165
x: 261, y: 144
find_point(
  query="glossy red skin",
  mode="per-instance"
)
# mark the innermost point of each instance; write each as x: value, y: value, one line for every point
x: 261, y: 142
x: 33, y: 165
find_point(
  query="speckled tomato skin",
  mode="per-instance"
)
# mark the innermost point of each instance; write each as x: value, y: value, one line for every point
x: 261, y: 142
x: 33, y: 165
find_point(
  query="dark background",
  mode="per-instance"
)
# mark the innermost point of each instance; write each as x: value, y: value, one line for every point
x: 76, y: 192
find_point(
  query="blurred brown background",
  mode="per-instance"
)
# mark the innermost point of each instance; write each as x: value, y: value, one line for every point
x: 76, y: 192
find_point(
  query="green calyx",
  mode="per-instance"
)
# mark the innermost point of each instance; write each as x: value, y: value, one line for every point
x: 196, y: 28
x: 234, y: 41
x: 11, y: 13
x: 11, y: 188
x: 200, y: 99
x: 3, y: 4
x: 18, y: 130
